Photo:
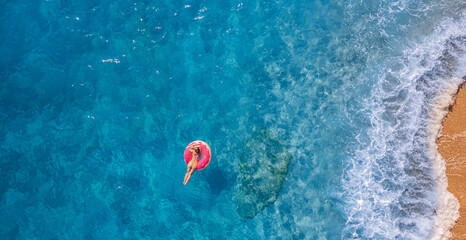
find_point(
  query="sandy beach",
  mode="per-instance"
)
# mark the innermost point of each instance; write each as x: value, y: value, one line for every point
x: 452, y: 147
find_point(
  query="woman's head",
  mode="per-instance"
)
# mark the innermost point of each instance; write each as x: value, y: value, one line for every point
x: 197, y: 150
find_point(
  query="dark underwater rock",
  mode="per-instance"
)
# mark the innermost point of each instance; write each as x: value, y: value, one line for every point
x: 264, y: 164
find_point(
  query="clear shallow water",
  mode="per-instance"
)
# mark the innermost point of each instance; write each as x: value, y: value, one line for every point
x: 99, y: 99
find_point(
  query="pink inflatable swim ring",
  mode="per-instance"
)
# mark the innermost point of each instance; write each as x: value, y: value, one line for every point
x: 205, y: 154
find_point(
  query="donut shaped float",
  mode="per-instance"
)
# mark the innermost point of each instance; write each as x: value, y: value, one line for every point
x: 204, y: 156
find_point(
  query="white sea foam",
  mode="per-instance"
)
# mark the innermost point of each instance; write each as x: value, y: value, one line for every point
x: 447, y: 207
x: 395, y: 183
x: 447, y: 210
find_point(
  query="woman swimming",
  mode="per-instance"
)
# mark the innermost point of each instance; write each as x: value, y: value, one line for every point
x: 195, y: 150
x: 192, y: 154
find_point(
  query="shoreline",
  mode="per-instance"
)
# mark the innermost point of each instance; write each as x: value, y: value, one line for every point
x: 451, y: 145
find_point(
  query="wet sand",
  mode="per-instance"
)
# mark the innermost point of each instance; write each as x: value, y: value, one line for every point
x: 452, y: 147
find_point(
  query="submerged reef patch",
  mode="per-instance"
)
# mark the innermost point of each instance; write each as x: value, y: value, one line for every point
x: 263, y: 164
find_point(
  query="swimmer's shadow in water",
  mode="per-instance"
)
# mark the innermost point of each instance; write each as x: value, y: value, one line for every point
x: 218, y: 180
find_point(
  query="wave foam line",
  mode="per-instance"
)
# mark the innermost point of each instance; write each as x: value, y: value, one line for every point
x: 448, y: 205
x: 389, y: 191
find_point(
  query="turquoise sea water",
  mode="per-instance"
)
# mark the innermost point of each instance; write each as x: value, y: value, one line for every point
x: 98, y: 100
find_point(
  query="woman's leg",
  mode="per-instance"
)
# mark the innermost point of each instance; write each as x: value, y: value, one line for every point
x: 189, y: 172
x: 191, y: 168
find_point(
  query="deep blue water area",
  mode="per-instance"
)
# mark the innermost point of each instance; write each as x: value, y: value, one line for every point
x: 98, y: 100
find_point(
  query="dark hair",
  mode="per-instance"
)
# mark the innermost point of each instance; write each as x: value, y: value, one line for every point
x: 198, y: 150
